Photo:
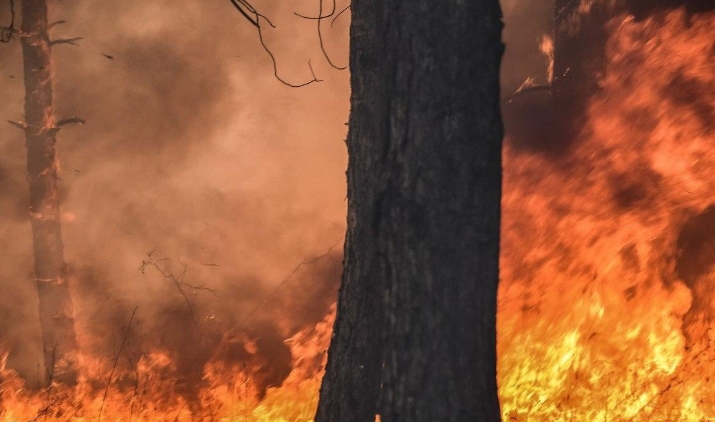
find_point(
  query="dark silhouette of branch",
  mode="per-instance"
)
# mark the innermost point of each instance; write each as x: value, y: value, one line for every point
x: 254, y: 17
x: 287, y: 278
x: 529, y: 90
x: 71, y: 120
x: 70, y: 41
x: 339, y: 14
x: 245, y: 8
x: 44, y: 410
x: 55, y: 23
x: 178, y: 282
x: 320, y: 15
x: 7, y: 32
x: 19, y: 125
x: 320, y: 18
x: 125, y: 336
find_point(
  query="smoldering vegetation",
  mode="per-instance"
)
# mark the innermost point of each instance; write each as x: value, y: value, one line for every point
x: 194, y: 152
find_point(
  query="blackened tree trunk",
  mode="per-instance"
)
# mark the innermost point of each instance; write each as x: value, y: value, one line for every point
x: 352, y: 378
x: 56, y: 315
x: 424, y: 211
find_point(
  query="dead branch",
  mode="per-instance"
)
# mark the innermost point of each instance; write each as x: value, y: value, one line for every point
x: 339, y: 14
x: 319, y: 19
x: 20, y: 125
x: 55, y: 23
x: 320, y: 37
x: 44, y: 410
x: 254, y: 17
x: 531, y: 89
x: 71, y: 120
x: 178, y: 282
x: 125, y: 336
x: 287, y: 278
x: 70, y: 41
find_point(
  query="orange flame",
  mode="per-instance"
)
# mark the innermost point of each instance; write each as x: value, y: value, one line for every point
x: 592, y: 305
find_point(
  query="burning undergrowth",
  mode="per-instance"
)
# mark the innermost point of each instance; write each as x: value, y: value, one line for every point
x: 200, y: 353
x: 606, y: 301
x: 191, y: 148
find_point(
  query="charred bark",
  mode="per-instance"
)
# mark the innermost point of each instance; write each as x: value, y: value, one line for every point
x: 351, y: 383
x: 439, y: 221
x: 417, y: 308
x: 56, y: 314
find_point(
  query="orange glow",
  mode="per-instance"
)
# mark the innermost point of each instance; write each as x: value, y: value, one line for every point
x: 595, y: 323
x: 592, y: 303
x: 148, y: 392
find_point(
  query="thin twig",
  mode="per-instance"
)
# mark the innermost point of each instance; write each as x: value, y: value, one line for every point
x: 254, y: 17
x: 179, y: 283
x: 287, y: 278
x: 70, y: 41
x: 125, y: 336
x: 339, y: 14
x: 44, y: 410
x: 529, y: 90
x: 71, y: 120
x: 320, y: 36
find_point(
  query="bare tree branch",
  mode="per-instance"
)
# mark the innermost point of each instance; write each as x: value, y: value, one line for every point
x: 240, y: 5
x: 71, y: 120
x: 55, y: 23
x: 125, y: 336
x: 44, y: 410
x: 70, y: 41
x: 254, y: 17
x: 320, y: 18
x: 288, y: 277
x: 178, y: 282
x: 320, y: 15
x: 339, y: 14
x: 531, y: 89
x: 20, y: 125
x: 320, y: 37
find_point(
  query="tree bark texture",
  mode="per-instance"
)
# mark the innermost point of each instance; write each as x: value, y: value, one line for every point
x: 351, y: 383
x: 439, y: 215
x: 424, y: 190
x: 56, y: 314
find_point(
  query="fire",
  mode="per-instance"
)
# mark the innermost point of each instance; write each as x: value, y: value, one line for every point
x: 604, y: 307
x: 608, y: 251
x: 150, y: 389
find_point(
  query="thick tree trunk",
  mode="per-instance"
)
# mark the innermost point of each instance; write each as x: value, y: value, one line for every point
x: 440, y: 214
x: 56, y: 318
x: 424, y: 188
x: 352, y: 378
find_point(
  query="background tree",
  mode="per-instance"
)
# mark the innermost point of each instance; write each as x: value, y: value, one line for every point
x: 424, y: 192
x: 56, y: 313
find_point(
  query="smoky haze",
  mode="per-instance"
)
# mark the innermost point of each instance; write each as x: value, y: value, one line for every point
x: 193, y: 150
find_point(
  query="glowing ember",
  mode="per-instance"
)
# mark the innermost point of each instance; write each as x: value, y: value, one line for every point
x: 605, y: 250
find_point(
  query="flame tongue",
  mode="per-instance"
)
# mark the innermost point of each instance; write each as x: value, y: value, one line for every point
x: 150, y: 389
x: 608, y: 266
x: 605, y: 251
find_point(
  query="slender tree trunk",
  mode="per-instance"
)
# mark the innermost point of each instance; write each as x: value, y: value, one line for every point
x: 352, y: 378
x: 424, y: 188
x: 56, y: 318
